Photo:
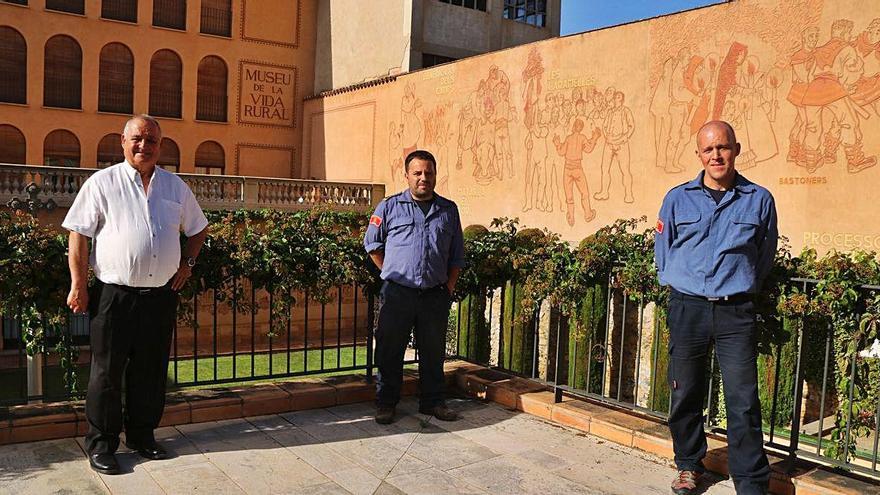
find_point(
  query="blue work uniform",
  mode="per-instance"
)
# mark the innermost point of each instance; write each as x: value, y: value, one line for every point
x: 419, y: 251
x: 715, y: 256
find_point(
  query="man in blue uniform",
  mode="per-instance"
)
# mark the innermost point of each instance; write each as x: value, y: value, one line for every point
x: 715, y: 243
x: 415, y: 238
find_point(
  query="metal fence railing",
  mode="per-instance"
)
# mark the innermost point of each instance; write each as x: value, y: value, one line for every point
x: 615, y: 351
x: 252, y: 338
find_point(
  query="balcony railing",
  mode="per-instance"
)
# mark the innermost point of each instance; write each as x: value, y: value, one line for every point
x: 214, y: 192
x: 616, y: 352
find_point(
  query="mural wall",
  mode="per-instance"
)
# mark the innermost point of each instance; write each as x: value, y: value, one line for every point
x: 575, y: 132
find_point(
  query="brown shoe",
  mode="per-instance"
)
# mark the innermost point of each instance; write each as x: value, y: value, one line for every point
x: 385, y: 415
x: 441, y: 412
x: 685, y: 483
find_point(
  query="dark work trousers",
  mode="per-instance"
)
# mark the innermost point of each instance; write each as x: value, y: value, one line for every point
x: 693, y: 323
x: 402, y: 311
x: 130, y: 338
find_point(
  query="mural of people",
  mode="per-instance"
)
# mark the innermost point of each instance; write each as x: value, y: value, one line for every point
x: 669, y: 110
x: 832, y: 116
x: 572, y: 150
x: 395, y: 155
x: 618, y: 128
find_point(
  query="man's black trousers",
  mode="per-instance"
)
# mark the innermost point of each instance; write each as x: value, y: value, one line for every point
x: 403, y: 311
x: 130, y: 339
x: 693, y: 324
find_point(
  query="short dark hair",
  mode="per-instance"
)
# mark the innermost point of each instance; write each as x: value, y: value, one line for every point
x: 421, y: 155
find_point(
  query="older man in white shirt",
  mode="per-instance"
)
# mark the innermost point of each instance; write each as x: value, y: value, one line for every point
x: 134, y: 212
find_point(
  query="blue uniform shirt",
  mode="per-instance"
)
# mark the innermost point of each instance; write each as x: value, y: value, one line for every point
x: 419, y: 249
x: 710, y: 250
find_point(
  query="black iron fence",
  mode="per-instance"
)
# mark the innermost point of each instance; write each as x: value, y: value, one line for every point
x: 250, y: 337
x: 615, y: 350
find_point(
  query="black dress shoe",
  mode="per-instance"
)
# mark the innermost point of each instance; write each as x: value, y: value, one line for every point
x: 151, y: 450
x: 441, y: 412
x: 385, y: 415
x: 104, y: 463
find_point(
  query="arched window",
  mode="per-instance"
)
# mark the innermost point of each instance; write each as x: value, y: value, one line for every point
x: 13, y: 66
x: 165, y: 77
x: 217, y: 17
x: 61, y: 149
x: 211, y: 95
x: 72, y: 6
x: 169, y: 156
x: 62, y: 73
x: 116, y: 79
x: 13, y: 147
x: 210, y: 159
x: 110, y: 150
x: 170, y: 14
x: 120, y: 10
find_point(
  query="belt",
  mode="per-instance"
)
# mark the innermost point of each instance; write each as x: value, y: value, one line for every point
x: 733, y: 299
x: 421, y: 291
x: 143, y: 291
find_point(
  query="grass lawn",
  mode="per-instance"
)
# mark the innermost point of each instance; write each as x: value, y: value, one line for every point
x: 13, y: 382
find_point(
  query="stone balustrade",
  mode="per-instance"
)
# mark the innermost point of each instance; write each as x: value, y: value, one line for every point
x: 214, y: 192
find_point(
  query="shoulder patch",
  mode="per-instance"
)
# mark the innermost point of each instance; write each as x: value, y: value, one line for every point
x: 659, y: 226
x: 375, y: 220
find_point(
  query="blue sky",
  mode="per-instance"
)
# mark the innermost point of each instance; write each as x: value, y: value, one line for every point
x: 585, y: 15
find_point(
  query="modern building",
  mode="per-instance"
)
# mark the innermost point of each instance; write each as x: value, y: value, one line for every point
x: 226, y: 78
x: 362, y: 41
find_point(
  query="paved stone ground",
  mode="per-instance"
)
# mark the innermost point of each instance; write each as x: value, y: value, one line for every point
x: 341, y: 450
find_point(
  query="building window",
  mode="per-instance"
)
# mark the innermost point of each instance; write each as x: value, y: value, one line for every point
x: 116, y: 79
x: 72, y: 6
x: 13, y: 147
x: 62, y: 73
x: 429, y: 59
x: 110, y: 150
x: 166, y: 71
x: 120, y: 10
x: 61, y: 149
x: 169, y: 156
x: 217, y: 17
x: 210, y: 159
x: 170, y: 14
x: 13, y: 66
x: 471, y: 4
x: 211, y: 94
x: 532, y: 12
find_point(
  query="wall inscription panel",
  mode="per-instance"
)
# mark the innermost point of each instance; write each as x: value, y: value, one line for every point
x: 266, y: 94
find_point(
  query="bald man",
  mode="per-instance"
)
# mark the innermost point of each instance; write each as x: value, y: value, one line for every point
x: 133, y: 214
x: 714, y: 245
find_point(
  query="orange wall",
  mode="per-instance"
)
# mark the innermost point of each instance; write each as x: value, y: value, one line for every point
x: 739, y: 61
x: 272, y: 35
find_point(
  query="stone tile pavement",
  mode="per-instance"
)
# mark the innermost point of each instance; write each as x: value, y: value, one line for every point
x: 340, y: 450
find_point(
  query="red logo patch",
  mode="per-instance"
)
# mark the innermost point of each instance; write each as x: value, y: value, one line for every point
x: 659, y: 226
x: 374, y: 220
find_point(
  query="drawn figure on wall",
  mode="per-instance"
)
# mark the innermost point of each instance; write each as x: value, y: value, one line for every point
x: 832, y: 117
x: 748, y: 106
x: 504, y: 113
x: 537, y: 151
x: 866, y: 91
x: 438, y: 134
x: 467, y: 130
x: 802, y: 63
x: 395, y: 156
x: 410, y: 122
x: 531, y: 82
x: 669, y: 109
x: 618, y: 128
x: 572, y: 150
x: 485, y: 166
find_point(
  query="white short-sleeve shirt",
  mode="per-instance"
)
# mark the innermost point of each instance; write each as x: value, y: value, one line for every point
x: 136, y: 236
